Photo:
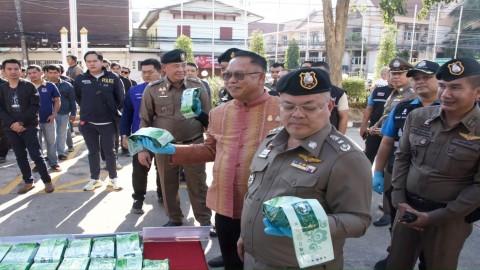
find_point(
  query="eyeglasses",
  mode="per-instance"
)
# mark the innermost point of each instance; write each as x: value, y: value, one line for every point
x: 238, y: 75
x: 305, y: 108
x: 125, y: 72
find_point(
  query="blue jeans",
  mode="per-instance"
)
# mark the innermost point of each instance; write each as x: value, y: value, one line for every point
x: 62, y: 129
x: 69, y: 135
x: 28, y: 140
x: 48, y: 131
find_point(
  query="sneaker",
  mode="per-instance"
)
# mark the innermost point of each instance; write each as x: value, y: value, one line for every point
x: 26, y: 187
x: 3, y: 159
x: 92, y: 184
x: 137, y: 207
x: 113, y: 183
x: 70, y: 149
x: 56, y: 168
x: 119, y: 166
x: 49, y: 187
x: 62, y: 157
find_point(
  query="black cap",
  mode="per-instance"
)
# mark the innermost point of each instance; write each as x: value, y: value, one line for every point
x: 399, y: 65
x: 228, y: 55
x: 174, y: 56
x: 305, y: 81
x: 458, y: 68
x: 424, y: 66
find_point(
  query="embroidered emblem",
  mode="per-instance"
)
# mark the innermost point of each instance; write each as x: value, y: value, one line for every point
x: 404, y: 112
x: 396, y: 64
x: 278, y: 119
x: 423, y: 141
x: 312, y: 144
x: 308, y: 80
x: 310, y: 158
x: 345, y: 147
x: 183, y: 57
x: 400, y: 132
x: 456, y: 68
x: 250, y: 180
x: 469, y: 136
x: 334, y: 137
x: 422, y: 64
x: 269, y: 118
x: 232, y: 55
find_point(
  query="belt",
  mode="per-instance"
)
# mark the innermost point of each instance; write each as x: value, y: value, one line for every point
x: 423, y: 204
x: 188, y: 141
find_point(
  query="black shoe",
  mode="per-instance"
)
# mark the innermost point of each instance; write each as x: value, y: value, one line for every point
x: 382, y: 221
x: 213, y: 231
x: 56, y: 168
x: 173, y: 224
x: 137, y: 207
x: 216, y: 262
x: 62, y: 157
x: 381, y: 265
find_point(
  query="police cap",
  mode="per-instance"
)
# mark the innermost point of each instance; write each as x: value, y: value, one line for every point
x: 458, y: 68
x: 174, y: 56
x: 398, y: 65
x: 228, y: 55
x: 424, y: 66
x: 304, y: 81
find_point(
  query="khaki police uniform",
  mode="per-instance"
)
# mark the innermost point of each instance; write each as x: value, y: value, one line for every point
x: 161, y: 108
x: 345, y: 194
x: 398, y: 95
x: 436, y: 170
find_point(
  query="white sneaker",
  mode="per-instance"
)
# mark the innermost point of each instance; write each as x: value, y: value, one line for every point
x: 92, y: 184
x: 113, y: 183
x: 119, y: 166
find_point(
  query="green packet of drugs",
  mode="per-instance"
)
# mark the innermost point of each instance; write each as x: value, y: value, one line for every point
x: 44, y: 266
x: 21, y: 253
x: 14, y: 266
x: 189, y: 106
x: 128, y: 245
x: 155, y: 265
x: 272, y: 210
x: 4, y: 248
x: 74, y: 264
x: 51, y: 250
x: 133, y: 263
x: 159, y: 136
x: 102, y: 264
x: 78, y: 248
x: 103, y: 247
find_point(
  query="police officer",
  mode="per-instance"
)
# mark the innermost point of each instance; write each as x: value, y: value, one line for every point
x: 322, y: 154
x: 435, y: 174
x: 160, y: 108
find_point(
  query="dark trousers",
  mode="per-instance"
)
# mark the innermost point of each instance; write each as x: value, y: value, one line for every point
x: 28, y: 141
x: 117, y: 140
x: 3, y: 142
x: 139, y: 178
x: 94, y: 135
x: 372, y: 143
x: 228, y: 231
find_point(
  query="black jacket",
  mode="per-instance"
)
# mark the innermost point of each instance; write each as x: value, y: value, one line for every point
x: 29, y: 101
x: 99, y: 99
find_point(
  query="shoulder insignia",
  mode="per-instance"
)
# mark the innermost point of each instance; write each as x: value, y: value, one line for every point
x: 156, y: 82
x: 275, y: 131
x: 344, y: 145
x: 193, y: 79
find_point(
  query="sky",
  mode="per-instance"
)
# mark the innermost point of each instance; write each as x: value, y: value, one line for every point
x: 271, y: 10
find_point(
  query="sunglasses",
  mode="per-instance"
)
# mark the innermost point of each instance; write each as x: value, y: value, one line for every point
x: 238, y: 75
x: 125, y: 72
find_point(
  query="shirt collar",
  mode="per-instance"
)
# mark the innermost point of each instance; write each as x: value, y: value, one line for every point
x: 313, y: 144
x: 469, y: 120
x: 261, y: 99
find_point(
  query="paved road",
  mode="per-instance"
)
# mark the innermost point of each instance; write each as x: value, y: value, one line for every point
x: 69, y: 210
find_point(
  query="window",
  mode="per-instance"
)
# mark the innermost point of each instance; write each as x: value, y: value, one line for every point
x: 408, y: 33
x: 186, y: 30
x: 225, y: 33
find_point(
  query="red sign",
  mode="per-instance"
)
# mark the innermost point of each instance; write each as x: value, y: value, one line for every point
x: 205, y: 61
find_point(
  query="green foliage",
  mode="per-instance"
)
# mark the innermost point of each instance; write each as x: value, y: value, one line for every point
x: 355, y: 87
x: 292, y: 56
x: 388, y: 48
x: 185, y: 43
x: 216, y: 84
x: 257, y: 43
x: 392, y: 7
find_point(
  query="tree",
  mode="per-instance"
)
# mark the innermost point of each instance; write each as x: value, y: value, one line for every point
x: 185, y: 43
x: 392, y: 7
x: 257, y: 43
x: 292, y: 56
x: 388, y: 48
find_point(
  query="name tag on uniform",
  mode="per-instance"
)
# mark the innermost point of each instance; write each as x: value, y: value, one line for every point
x: 466, y: 143
x: 381, y: 94
x: 421, y: 132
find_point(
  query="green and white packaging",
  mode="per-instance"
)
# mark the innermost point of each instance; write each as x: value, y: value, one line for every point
x: 78, y: 248
x: 159, y: 136
x: 102, y: 264
x: 103, y: 247
x: 14, y: 266
x: 4, y: 248
x: 44, y: 266
x: 133, y: 263
x: 74, y: 264
x: 155, y: 265
x: 188, y: 105
x: 21, y: 253
x: 128, y: 245
x: 51, y: 250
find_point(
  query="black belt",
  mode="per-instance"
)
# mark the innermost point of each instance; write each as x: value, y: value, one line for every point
x: 189, y: 141
x: 423, y: 204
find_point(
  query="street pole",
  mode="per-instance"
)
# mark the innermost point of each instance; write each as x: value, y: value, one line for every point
x: 278, y: 29
x: 436, y: 33
x: 307, y: 56
x: 213, y: 38
x: 23, y: 43
x: 245, y: 27
x: 458, y: 31
x: 73, y: 27
x: 413, y: 34
x: 181, y: 17
x: 362, y: 73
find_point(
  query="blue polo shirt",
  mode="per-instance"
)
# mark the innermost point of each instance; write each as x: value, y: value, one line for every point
x: 48, y: 92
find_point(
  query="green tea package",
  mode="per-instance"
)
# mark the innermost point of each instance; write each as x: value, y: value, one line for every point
x: 155, y: 265
x: 159, y: 136
x: 44, y: 266
x: 74, y: 264
x: 51, y: 250
x: 4, y: 248
x: 189, y: 106
x: 103, y: 247
x: 14, y: 266
x: 102, y: 264
x: 128, y: 245
x: 132, y: 263
x: 78, y: 248
x: 21, y: 253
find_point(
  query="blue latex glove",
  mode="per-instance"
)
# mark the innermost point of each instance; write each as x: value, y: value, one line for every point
x: 377, y: 182
x: 166, y: 150
x: 198, y: 105
x: 276, y: 231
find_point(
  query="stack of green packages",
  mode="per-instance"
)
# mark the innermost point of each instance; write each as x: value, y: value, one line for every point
x: 159, y: 136
x: 103, y: 247
x: 74, y: 264
x: 78, y: 248
x: 155, y: 264
x: 4, y: 248
x: 102, y: 264
x: 51, y: 250
x: 44, y: 266
x: 134, y: 263
x: 14, y: 266
x: 189, y: 106
x: 21, y: 253
x: 129, y: 253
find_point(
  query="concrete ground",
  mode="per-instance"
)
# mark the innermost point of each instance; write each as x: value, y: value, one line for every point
x: 69, y: 210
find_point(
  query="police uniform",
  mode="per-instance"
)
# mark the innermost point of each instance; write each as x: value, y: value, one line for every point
x: 436, y: 171
x: 161, y: 108
x: 314, y: 170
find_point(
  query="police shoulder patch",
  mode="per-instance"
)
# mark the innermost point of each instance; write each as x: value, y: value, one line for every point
x: 156, y: 82
x: 340, y: 142
x: 274, y: 131
x: 193, y: 79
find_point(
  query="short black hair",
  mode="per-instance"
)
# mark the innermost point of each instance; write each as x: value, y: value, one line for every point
x: 255, y: 59
x: 276, y: 65
x: 98, y: 54
x: 11, y: 61
x: 52, y: 67
x: 151, y: 61
x: 321, y: 64
x: 192, y: 65
x: 74, y: 58
x: 125, y: 67
x: 115, y: 64
x: 37, y: 67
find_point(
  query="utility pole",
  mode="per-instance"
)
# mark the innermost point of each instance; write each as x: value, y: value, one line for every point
x: 23, y: 43
x: 73, y: 27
